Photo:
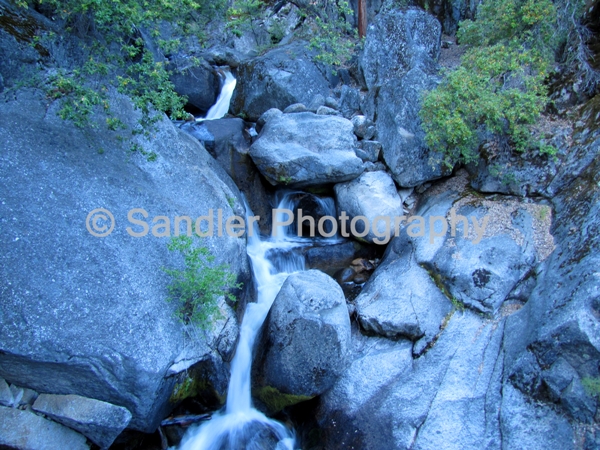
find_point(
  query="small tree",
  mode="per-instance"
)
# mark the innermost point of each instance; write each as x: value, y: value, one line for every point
x: 197, y: 287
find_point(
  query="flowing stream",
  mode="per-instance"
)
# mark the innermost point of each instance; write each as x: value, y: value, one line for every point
x: 220, y: 108
x: 239, y: 425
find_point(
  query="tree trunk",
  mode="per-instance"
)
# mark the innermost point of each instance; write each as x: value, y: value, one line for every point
x: 362, y: 18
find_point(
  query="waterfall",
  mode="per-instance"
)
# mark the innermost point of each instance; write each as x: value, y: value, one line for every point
x: 239, y: 425
x: 220, y: 108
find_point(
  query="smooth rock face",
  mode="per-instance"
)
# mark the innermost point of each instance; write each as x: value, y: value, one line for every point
x: 99, y: 421
x: 401, y: 300
x: 86, y: 315
x: 307, y: 338
x: 281, y: 77
x: 305, y: 149
x: 24, y: 430
x: 371, y: 195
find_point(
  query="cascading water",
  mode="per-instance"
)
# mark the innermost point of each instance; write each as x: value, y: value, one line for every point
x: 220, y: 108
x: 239, y: 425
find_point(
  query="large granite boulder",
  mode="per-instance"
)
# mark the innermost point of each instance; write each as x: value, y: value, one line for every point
x: 88, y: 315
x: 198, y: 82
x: 306, y: 149
x: 397, y: 41
x: 399, y: 64
x: 307, y: 337
x: 281, y: 77
x: 374, y: 197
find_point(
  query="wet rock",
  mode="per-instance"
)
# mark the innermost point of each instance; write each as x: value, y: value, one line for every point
x: 373, y: 196
x: 228, y: 142
x: 27, y: 431
x: 116, y: 340
x: 99, y: 421
x: 306, y: 149
x: 307, y: 335
x: 281, y: 77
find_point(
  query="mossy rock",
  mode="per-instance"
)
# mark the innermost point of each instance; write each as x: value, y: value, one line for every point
x: 275, y: 401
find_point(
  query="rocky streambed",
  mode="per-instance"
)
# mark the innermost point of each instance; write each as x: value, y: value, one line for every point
x: 468, y: 319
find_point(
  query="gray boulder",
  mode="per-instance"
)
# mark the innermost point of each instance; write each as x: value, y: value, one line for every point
x: 306, y: 149
x: 401, y: 300
x: 198, y: 83
x: 399, y: 63
x: 368, y: 150
x: 116, y: 338
x: 307, y: 338
x: 399, y: 130
x: 281, y: 77
x: 397, y: 41
x: 478, y: 249
x: 99, y: 421
x: 373, y: 196
x: 363, y: 127
x: 24, y: 430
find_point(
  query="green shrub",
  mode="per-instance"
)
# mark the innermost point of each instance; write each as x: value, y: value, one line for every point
x: 334, y: 40
x: 499, y: 86
x: 119, y: 57
x: 197, y: 287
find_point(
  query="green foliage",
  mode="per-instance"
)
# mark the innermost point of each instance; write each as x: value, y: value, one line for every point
x: 197, y: 287
x: 591, y: 385
x: 242, y: 15
x: 79, y: 100
x: 115, y: 25
x: 334, y: 40
x: 499, y: 86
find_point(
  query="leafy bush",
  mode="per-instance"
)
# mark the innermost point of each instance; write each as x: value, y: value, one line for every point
x: 119, y: 56
x: 243, y: 15
x: 499, y: 86
x: 334, y: 40
x: 198, y: 286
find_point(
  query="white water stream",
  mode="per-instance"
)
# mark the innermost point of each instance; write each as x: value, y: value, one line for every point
x: 240, y: 426
x: 220, y: 108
